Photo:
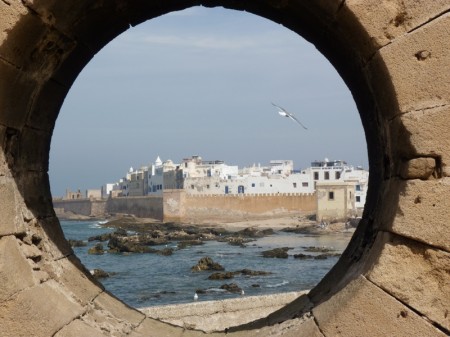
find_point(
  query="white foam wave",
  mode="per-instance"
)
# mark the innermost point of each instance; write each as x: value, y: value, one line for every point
x: 277, y: 284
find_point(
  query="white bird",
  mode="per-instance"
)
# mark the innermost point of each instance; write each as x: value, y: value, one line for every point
x: 195, y: 297
x: 284, y: 113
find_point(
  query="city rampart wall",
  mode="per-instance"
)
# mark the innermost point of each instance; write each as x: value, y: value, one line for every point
x: 184, y: 207
x: 85, y: 207
x: 143, y: 207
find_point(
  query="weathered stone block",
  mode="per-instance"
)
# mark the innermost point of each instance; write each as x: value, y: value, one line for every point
x: 154, y: 328
x: 36, y: 155
x: 415, y: 274
x: 15, y: 271
x: 39, y: 311
x: 119, y: 309
x: 418, y: 65
x: 9, y: 220
x: 78, y: 328
x: 363, y: 309
x: 424, y: 132
x: 422, y: 211
x: 15, y: 86
x: 35, y: 190
x: 54, y: 243
x: 46, y: 106
x: 386, y: 20
x: 20, y: 31
x: 418, y: 168
x: 73, y: 275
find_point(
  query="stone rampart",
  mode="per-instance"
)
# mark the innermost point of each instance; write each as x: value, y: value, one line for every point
x: 85, y: 207
x: 184, y: 207
x: 392, y: 280
x: 143, y: 207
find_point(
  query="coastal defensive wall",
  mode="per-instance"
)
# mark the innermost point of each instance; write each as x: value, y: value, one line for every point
x: 179, y: 206
x: 392, y: 280
x: 183, y: 207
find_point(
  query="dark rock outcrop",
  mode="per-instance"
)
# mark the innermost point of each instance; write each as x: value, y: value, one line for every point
x: 96, y: 250
x: 221, y: 276
x: 206, y: 263
x: 231, y: 287
x: 279, y: 253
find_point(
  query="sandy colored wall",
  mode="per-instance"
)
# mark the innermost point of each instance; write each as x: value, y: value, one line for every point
x: 143, y: 207
x: 183, y: 207
x: 84, y: 207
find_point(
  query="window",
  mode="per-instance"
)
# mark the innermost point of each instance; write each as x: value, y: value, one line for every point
x: 305, y: 184
x: 358, y: 198
x: 327, y: 175
x: 192, y: 187
x: 358, y: 187
x: 331, y: 195
x: 295, y: 185
x: 316, y: 175
x: 253, y: 184
x: 337, y: 175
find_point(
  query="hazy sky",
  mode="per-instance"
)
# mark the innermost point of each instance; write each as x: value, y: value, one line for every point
x: 201, y: 82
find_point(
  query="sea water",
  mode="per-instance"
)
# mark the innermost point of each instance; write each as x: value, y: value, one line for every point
x: 143, y: 280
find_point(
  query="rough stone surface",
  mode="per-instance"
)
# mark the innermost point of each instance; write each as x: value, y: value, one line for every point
x: 152, y: 328
x: 425, y: 286
x: 303, y: 327
x: 422, y: 213
x: 421, y: 128
x: 119, y: 309
x: 211, y: 316
x: 9, y: 222
x: 419, y: 83
x: 419, y: 168
x: 384, y: 21
x: 39, y: 311
x: 79, y: 328
x: 72, y: 274
x: 363, y: 309
x: 15, y: 271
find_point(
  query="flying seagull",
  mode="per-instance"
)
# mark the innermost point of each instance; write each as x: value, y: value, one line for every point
x: 284, y: 113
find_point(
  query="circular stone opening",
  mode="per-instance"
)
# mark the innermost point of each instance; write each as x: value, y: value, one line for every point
x: 391, y: 58
x: 230, y: 113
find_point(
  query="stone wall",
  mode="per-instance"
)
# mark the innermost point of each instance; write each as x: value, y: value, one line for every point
x: 143, y: 207
x: 183, y: 207
x: 392, y: 280
x: 85, y: 207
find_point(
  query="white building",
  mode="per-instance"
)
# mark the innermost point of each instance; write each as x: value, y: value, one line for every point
x: 340, y: 171
x: 197, y: 176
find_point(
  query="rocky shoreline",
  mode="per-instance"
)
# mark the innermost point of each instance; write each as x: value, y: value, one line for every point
x: 135, y: 235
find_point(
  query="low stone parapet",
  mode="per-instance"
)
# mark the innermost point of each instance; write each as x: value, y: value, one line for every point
x: 212, y: 316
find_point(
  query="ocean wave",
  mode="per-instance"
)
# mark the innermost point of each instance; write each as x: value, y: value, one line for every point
x: 276, y: 285
x: 214, y: 290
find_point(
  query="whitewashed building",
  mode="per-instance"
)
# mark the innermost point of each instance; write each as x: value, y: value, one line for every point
x: 197, y: 176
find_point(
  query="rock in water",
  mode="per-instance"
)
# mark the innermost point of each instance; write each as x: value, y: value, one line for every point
x: 206, y: 263
x: 221, y: 276
x: 96, y: 250
x: 232, y: 288
x: 280, y: 253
